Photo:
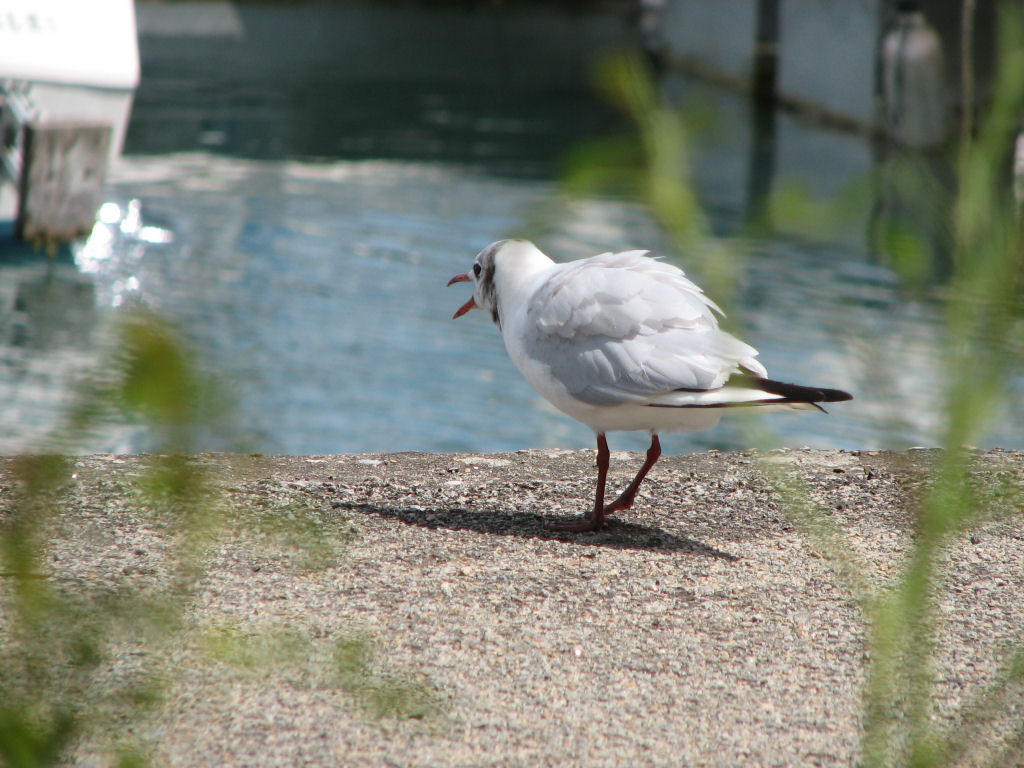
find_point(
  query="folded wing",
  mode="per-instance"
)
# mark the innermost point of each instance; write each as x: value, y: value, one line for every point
x: 623, y: 327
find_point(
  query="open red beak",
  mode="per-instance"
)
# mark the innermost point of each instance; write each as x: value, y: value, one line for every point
x: 463, y: 278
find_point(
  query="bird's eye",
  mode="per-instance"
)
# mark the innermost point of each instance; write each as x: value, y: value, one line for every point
x: 476, y: 269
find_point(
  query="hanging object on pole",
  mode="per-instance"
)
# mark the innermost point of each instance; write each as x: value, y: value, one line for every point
x: 915, y: 104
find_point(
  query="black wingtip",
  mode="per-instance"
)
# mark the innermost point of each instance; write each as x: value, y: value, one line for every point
x: 834, y: 395
x: 794, y: 393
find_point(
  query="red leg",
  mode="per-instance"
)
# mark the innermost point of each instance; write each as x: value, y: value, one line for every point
x: 595, y: 518
x: 625, y: 500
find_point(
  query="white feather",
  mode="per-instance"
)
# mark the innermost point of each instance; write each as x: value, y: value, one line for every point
x: 623, y: 327
x: 618, y: 340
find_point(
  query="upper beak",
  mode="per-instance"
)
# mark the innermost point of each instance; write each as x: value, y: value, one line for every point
x: 463, y: 278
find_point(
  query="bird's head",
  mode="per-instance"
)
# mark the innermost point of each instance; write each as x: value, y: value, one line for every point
x: 484, y: 287
x: 499, y: 269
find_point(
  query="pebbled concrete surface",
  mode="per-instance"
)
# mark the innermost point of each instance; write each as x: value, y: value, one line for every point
x: 700, y: 628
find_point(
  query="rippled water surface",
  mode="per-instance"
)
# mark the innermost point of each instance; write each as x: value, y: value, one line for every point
x: 298, y: 220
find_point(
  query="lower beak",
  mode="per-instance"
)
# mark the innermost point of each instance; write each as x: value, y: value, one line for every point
x: 465, y: 308
x: 463, y: 278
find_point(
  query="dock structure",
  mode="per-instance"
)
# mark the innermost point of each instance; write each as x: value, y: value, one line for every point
x: 823, y: 57
x: 68, y: 72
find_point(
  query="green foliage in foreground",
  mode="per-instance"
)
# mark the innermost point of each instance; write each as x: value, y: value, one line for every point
x: 984, y: 325
x: 345, y: 662
x: 86, y: 657
x: 61, y: 631
x: 983, y: 321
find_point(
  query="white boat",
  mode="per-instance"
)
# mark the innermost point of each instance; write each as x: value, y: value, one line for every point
x: 68, y: 73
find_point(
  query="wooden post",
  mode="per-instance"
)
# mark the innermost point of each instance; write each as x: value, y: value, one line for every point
x: 64, y: 168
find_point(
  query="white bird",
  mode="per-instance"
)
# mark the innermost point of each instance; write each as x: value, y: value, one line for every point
x: 622, y: 341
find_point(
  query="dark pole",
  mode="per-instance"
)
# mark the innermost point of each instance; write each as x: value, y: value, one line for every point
x: 766, y: 50
x: 761, y: 170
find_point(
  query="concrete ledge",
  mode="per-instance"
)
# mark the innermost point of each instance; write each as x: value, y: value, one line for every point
x: 699, y: 628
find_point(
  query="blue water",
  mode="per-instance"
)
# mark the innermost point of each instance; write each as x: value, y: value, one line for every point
x: 299, y: 227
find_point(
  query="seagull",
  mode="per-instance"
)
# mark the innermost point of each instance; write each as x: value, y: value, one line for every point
x: 622, y: 341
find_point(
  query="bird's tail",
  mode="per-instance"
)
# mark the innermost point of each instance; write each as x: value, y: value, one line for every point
x: 748, y: 390
x: 790, y: 394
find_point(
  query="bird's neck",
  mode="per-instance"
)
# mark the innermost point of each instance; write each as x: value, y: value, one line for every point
x: 518, y: 284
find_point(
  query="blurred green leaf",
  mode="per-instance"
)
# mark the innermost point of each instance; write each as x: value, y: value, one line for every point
x: 28, y: 742
x: 259, y: 651
x: 352, y: 656
x: 608, y: 166
x: 908, y: 252
x: 157, y: 379
x: 984, y: 321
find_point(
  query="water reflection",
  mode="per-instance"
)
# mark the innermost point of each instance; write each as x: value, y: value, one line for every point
x: 316, y: 293
x: 502, y: 88
x: 309, y: 273
x: 53, y: 310
x: 51, y: 337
